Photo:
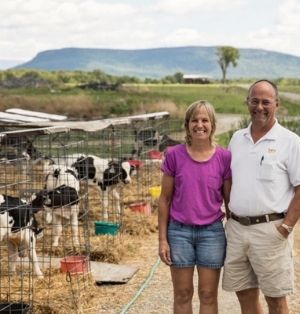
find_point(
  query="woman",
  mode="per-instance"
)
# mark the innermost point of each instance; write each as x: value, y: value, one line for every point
x: 196, y: 179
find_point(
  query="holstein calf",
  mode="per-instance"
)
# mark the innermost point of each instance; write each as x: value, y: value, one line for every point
x: 17, y: 148
x: 144, y: 137
x: 61, y: 200
x: 105, y: 174
x: 19, y: 227
x: 165, y: 142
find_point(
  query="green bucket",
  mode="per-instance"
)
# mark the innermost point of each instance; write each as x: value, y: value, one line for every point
x: 106, y: 227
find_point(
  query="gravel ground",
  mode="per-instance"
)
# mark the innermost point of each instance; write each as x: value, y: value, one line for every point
x: 290, y: 96
x: 156, y: 298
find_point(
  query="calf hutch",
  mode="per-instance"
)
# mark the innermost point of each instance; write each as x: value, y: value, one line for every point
x: 71, y: 193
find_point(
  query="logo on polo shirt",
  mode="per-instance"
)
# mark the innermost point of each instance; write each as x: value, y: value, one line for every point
x: 271, y: 150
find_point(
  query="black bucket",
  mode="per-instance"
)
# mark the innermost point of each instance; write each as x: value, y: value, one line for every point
x: 14, y: 308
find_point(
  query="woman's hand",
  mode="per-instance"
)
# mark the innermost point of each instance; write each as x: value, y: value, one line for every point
x: 164, y: 252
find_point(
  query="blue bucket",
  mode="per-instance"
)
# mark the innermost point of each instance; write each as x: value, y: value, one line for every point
x: 106, y: 227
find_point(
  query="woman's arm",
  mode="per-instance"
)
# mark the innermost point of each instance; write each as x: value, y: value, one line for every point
x: 167, y: 188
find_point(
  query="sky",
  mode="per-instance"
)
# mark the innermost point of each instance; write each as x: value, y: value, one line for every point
x: 31, y: 26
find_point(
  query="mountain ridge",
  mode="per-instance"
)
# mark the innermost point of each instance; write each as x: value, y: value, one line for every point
x: 160, y: 62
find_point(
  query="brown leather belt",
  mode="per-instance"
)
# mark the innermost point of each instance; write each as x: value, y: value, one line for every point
x: 251, y: 220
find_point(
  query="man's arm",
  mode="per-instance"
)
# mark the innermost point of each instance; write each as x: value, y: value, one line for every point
x: 226, y: 196
x: 293, y: 213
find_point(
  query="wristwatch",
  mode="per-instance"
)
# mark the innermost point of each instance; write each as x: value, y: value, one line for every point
x: 289, y: 229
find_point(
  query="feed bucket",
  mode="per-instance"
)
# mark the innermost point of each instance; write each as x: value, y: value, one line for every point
x: 155, y: 191
x: 74, y: 265
x: 136, y: 163
x: 141, y: 207
x: 155, y: 154
x: 106, y: 227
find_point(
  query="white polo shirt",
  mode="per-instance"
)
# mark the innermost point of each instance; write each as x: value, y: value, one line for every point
x: 264, y: 173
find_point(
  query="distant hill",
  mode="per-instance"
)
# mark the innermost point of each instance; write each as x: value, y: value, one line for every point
x: 159, y: 62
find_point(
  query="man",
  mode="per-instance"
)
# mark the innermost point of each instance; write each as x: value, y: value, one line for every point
x: 264, y: 206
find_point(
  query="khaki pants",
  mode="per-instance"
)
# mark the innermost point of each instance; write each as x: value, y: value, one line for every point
x: 258, y: 256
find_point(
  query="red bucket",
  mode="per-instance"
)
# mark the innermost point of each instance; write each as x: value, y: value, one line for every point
x: 136, y: 163
x: 74, y: 265
x: 155, y: 154
x: 141, y: 207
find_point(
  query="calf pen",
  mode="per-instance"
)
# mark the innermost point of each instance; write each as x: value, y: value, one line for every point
x: 142, y: 142
x: 23, y: 165
x: 24, y: 174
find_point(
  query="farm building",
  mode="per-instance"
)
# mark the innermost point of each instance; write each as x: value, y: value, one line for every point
x: 196, y: 79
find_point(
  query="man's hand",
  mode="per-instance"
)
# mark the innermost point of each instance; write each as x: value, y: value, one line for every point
x: 283, y: 231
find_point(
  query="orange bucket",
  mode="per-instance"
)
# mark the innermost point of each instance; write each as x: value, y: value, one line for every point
x: 74, y: 265
x: 136, y: 163
x: 141, y: 207
x: 155, y: 154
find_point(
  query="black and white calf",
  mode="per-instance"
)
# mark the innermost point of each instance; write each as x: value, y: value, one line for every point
x: 15, y: 148
x: 19, y: 228
x: 144, y: 137
x: 61, y: 200
x: 166, y: 141
x: 105, y: 174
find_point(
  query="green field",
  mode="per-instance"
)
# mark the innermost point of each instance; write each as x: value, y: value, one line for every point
x: 132, y: 99
x: 142, y: 98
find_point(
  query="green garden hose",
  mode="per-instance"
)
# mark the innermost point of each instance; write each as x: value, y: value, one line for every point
x: 145, y: 284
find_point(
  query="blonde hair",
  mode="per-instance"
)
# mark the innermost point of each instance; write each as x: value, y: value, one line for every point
x: 190, y: 113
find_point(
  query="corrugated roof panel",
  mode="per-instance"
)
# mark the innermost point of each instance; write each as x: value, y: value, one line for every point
x: 96, y: 125
x: 21, y: 118
x: 38, y: 114
x: 89, y: 126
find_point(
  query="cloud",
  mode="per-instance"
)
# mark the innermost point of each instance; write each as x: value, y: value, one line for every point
x: 28, y: 27
x: 284, y: 34
x: 184, y: 37
x: 182, y: 7
x: 42, y: 24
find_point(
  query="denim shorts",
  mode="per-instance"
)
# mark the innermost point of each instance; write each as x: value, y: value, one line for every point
x: 203, y: 246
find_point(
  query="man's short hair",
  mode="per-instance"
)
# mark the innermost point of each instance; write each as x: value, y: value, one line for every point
x: 267, y: 81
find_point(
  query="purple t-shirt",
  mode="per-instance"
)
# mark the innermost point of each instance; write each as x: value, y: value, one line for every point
x: 197, y: 196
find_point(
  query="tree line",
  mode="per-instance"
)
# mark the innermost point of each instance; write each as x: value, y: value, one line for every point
x: 23, y: 78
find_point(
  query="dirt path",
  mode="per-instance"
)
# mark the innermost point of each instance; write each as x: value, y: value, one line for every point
x: 156, y: 298
x: 291, y: 96
x: 287, y: 95
x: 226, y: 122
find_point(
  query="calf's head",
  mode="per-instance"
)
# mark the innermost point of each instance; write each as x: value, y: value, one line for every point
x: 116, y: 172
x: 126, y: 170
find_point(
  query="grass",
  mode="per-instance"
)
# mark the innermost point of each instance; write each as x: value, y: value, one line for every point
x: 226, y: 99
x: 224, y: 138
x: 132, y: 99
x: 291, y: 89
